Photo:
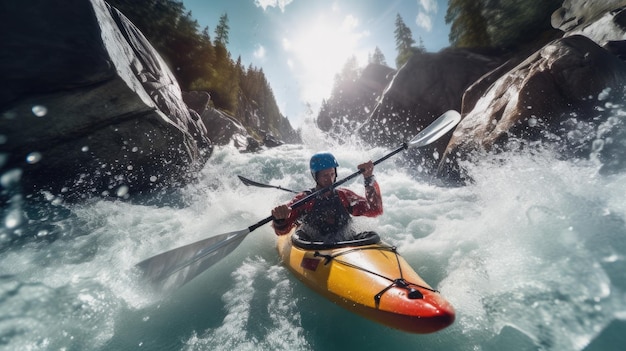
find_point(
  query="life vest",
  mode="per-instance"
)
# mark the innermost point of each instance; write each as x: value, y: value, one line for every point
x: 327, y: 220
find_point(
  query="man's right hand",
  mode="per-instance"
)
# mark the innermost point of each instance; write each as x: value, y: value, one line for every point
x: 281, y: 212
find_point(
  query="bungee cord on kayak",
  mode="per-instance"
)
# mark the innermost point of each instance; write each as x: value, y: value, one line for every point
x: 399, y: 282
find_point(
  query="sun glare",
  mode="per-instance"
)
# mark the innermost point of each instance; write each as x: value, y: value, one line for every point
x: 318, y: 49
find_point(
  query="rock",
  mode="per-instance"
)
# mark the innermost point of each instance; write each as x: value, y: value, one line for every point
x: 225, y: 129
x: 271, y: 141
x: 253, y: 145
x: 88, y: 107
x: 428, y: 85
x: 561, y: 96
x: 352, y: 103
x: 197, y: 100
x: 424, y: 88
x: 256, y: 121
x: 575, y: 14
x: 609, y: 27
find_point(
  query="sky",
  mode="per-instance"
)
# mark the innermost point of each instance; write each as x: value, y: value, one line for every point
x: 302, y: 44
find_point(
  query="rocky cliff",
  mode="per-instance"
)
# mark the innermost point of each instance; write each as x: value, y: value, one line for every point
x: 89, y: 108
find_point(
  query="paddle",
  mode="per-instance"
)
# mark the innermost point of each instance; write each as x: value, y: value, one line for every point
x: 173, y: 268
x: 249, y: 182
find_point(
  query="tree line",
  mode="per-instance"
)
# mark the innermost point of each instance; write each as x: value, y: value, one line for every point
x: 502, y: 24
x: 200, y: 62
x: 487, y: 24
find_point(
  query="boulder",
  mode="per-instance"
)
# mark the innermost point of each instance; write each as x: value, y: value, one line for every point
x: 577, y: 14
x: 88, y: 107
x: 225, y: 129
x: 425, y: 87
x: 561, y: 96
x: 197, y: 100
x: 428, y: 85
x: 608, y: 28
x: 271, y: 141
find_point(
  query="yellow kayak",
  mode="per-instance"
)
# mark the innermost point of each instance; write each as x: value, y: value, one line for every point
x: 370, y: 278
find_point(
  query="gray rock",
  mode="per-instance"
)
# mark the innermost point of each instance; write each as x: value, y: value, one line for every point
x: 558, y: 96
x: 225, y: 129
x: 425, y: 87
x: 86, y: 93
x: 575, y: 14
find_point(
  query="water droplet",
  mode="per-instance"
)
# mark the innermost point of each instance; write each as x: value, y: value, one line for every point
x: 13, y: 219
x: 84, y: 149
x: 597, y: 145
x: 33, y: 157
x: 153, y: 179
x: 39, y: 110
x: 11, y: 178
x: 135, y: 149
x: 122, y: 191
x: 532, y: 121
x: 604, y: 94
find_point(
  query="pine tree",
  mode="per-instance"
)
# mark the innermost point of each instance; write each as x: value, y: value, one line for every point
x: 221, y: 31
x: 377, y: 57
x: 404, y: 41
x: 421, y: 47
x: 468, y: 23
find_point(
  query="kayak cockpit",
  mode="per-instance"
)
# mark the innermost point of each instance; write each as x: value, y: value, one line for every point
x: 361, y: 239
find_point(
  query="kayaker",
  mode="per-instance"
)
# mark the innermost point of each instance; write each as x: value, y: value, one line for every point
x: 327, y: 218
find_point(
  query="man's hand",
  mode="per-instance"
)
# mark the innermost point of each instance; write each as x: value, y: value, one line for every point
x: 281, y: 212
x: 368, y: 169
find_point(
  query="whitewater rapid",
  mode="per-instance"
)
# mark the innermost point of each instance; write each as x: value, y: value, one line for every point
x: 532, y: 255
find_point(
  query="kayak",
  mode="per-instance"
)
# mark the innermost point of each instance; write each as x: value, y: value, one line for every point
x: 369, y: 278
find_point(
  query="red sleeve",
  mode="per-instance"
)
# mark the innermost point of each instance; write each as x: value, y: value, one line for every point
x: 370, y: 206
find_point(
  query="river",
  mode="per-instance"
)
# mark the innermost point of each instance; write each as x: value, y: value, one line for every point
x: 532, y: 255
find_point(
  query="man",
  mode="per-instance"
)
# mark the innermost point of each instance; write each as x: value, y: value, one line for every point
x: 327, y: 217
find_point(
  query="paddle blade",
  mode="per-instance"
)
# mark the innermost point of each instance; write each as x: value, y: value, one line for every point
x: 172, y: 269
x: 249, y: 182
x: 436, y: 130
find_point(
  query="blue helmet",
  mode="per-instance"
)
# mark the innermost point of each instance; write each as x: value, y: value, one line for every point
x: 321, y: 161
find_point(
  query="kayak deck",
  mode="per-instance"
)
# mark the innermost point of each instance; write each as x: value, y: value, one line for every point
x: 372, y: 280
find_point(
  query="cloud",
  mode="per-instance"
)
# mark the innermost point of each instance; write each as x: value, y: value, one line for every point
x: 287, y: 44
x: 430, y: 6
x: 350, y: 22
x: 272, y: 3
x: 424, y: 21
x: 424, y: 18
x: 260, y: 52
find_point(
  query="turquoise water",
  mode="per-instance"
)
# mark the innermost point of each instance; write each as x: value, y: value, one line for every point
x: 532, y: 256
